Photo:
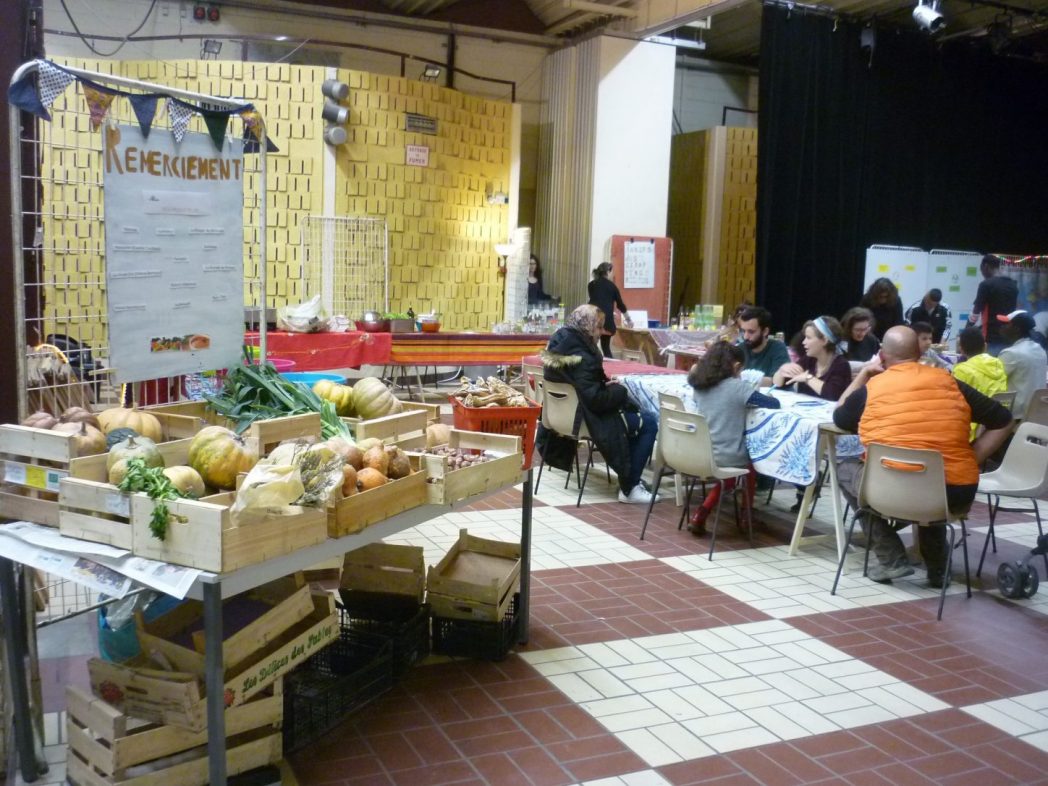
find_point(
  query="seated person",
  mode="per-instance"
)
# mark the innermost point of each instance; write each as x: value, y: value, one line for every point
x: 882, y: 299
x: 760, y: 352
x: 896, y: 401
x: 1025, y: 361
x: 859, y: 343
x: 980, y: 370
x: 932, y: 310
x: 621, y: 434
x: 723, y: 397
x: 822, y: 372
x: 536, y: 294
x: 929, y: 357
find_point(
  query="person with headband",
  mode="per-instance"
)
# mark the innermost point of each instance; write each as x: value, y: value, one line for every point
x: 623, y: 436
x: 605, y: 295
x: 822, y: 371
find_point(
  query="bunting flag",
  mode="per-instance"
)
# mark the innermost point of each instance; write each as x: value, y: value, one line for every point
x: 144, y: 106
x: 98, y: 103
x: 51, y: 81
x: 216, y: 123
x: 23, y: 95
x: 252, y: 124
x: 180, y: 114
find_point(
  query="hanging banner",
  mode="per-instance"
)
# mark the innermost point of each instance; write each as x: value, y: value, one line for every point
x: 174, y: 253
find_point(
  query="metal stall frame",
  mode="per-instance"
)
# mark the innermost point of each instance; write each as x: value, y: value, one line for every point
x: 17, y: 238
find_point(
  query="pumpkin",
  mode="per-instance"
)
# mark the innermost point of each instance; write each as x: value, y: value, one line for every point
x: 142, y: 422
x: 371, y: 442
x: 87, y: 440
x: 80, y: 415
x: 372, y: 398
x: 377, y: 458
x: 349, y: 481
x: 187, y: 480
x: 340, y: 445
x: 368, y: 479
x: 437, y: 434
x: 41, y: 419
x: 339, y: 395
x: 399, y: 466
x: 119, y: 435
x: 219, y: 455
x: 135, y: 447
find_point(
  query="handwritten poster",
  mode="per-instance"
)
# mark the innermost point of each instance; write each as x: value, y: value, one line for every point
x: 638, y: 265
x: 174, y: 253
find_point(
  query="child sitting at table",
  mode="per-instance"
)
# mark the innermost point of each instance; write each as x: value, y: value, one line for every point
x: 722, y: 396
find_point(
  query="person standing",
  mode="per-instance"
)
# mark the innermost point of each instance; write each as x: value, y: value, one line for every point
x: 882, y: 299
x: 996, y: 296
x: 536, y: 293
x: 1025, y: 361
x: 760, y: 352
x: 932, y: 310
x: 605, y: 295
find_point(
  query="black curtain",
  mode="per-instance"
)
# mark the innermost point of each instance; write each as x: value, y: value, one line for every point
x: 935, y: 146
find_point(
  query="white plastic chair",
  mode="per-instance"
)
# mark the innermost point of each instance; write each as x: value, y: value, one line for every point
x: 1037, y: 409
x: 907, y: 485
x: 532, y: 381
x: 685, y: 447
x: 560, y: 403
x: 671, y: 401
x: 1022, y: 475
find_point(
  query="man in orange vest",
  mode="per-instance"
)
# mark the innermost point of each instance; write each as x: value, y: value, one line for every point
x: 896, y: 401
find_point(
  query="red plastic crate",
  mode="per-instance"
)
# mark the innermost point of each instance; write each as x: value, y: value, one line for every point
x: 515, y: 421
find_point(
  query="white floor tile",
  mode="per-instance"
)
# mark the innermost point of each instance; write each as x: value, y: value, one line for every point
x: 634, y: 720
x: 650, y: 748
x: 860, y: 716
x: 736, y: 740
x: 575, y: 687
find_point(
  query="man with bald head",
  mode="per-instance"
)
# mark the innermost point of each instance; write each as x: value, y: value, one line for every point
x: 896, y: 401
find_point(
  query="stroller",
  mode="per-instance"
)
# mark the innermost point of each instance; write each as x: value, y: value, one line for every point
x: 1019, y: 579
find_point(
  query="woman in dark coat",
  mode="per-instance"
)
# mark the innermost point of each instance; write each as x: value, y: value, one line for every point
x: 882, y: 298
x: 605, y: 295
x: 622, y: 435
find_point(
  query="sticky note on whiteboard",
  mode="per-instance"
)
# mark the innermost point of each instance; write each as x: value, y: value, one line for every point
x: 883, y: 268
x: 940, y: 269
x: 910, y: 268
x: 970, y: 272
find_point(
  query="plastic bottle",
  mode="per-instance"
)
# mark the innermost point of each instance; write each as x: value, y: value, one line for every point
x: 560, y: 313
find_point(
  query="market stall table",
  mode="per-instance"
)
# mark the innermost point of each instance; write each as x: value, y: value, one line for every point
x: 464, y: 349
x: 322, y: 351
x: 785, y: 443
x: 614, y: 368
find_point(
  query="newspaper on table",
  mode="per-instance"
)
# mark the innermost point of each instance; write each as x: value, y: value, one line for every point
x: 107, y: 569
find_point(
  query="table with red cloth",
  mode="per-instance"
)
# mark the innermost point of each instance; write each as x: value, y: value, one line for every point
x: 464, y: 349
x: 320, y: 351
x: 616, y: 368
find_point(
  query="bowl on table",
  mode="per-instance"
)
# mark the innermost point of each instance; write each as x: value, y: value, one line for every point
x: 373, y: 326
x: 429, y: 327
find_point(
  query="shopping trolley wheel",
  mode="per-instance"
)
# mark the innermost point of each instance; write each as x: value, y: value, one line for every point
x: 1017, y: 580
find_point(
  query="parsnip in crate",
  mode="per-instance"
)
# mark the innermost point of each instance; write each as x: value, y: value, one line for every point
x: 490, y: 392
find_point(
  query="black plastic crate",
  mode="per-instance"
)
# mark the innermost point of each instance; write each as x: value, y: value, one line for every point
x: 407, y: 627
x: 339, y: 680
x: 479, y: 640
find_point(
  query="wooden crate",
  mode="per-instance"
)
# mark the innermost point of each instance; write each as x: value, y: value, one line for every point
x: 202, y: 533
x: 406, y: 430
x: 176, y: 697
x: 432, y: 410
x: 34, y: 462
x: 352, y: 514
x: 475, y: 580
x: 384, y: 569
x: 445, y: 486
x: 106, y: 746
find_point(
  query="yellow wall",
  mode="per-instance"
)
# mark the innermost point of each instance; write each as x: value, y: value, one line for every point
x: 738, y: 241
x: 441, y: 228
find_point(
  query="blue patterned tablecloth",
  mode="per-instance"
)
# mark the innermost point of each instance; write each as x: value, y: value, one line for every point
x: 781, y: 442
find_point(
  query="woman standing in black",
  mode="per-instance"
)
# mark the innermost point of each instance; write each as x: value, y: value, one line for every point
x: 882, y: 298
x: 605, y: 295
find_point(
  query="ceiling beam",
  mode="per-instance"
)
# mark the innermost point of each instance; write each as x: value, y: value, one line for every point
x: 655, y: 17
x: 600, y: 8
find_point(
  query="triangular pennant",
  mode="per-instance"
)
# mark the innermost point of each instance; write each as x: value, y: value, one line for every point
x: 251, y: 144
x: 51, y: 81
x: 216, y: 123
x: 179, y: 114
x: 145, y: 110
x: 22, y: 94
x: 98, y: 103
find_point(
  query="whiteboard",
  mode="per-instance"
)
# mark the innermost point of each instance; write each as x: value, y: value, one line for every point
x: 957, y: 274
x: 907, y: 267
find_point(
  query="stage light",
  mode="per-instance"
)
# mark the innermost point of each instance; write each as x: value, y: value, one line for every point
x: 199, y: 13
x: 928, y: 16
x: 430, y: 73
x: 213, y: 14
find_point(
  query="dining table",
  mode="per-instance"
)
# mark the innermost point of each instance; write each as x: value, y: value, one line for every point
x: 786, y: 443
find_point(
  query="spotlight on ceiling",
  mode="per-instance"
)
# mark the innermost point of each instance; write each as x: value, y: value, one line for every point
x: 430, y: 73
x: 927, y: 16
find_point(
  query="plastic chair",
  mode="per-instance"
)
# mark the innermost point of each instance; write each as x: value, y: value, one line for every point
x: 1023, y: 475
x: 560, y: 404
x: 1006, y: 400
x: 907, y: 485
x: 671, y: 401
x: 685, y: 447
x: 532, y: 381
x: 1037, y: 409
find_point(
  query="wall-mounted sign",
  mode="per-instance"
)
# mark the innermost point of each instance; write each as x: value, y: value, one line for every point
x: 417, y: 155
x: 421, y: 124
x: 174, y: 253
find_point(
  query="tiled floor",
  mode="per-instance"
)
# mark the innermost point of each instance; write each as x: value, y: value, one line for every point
x: 649, y: 665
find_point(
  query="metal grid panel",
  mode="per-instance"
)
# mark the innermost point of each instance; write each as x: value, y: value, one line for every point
x: 346, y: 262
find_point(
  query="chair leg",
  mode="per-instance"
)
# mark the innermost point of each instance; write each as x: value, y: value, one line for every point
x: 869, y: 539
x: 1040, y: 531
x: 585, y: 475
x: 716, y: 518
x: 651, y: 504
x: 949, y: 568
x: 964, y: 547
x: 989, y: 535
x: 689, y: 488
x: 542, y: 463
x: 844, y: 553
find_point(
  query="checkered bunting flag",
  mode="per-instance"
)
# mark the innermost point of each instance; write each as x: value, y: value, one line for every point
x: 180, y: 114
x: 51, y: 81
